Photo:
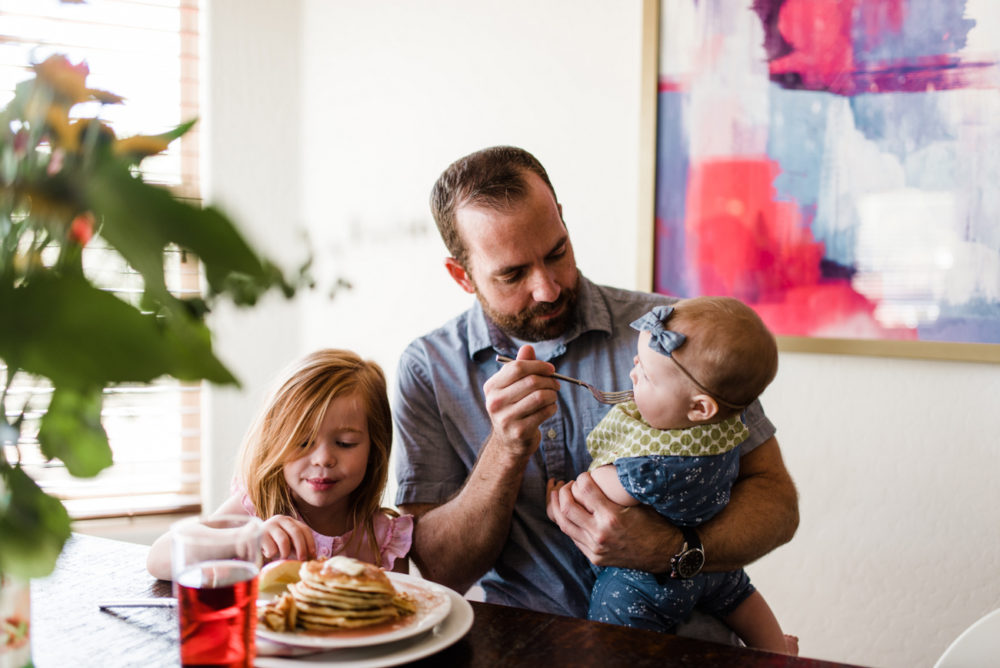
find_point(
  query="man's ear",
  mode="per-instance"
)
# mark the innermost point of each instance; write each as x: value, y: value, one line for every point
x: 703, y: 408
x: 459, y: 275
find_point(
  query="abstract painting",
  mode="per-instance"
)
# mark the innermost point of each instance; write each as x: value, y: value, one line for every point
x: 833, y: 163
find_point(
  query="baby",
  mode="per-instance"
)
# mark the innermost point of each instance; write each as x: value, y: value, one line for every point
x: 675, y: 447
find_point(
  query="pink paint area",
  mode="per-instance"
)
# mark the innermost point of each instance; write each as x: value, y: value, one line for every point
x: 667, y: 85
x: 819, y: 34
x: 743, y: 242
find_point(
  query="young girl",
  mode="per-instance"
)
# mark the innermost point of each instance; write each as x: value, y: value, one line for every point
x: 314, y: 466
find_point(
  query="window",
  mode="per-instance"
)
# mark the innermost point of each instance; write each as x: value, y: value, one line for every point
x: 147, y: 51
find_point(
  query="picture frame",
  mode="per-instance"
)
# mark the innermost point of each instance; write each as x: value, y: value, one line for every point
x: 828, y: 163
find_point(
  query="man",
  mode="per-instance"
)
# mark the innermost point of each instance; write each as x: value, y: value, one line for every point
x: 477, y: 440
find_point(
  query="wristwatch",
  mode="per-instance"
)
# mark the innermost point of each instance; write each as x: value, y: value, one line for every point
x: 689, y: 561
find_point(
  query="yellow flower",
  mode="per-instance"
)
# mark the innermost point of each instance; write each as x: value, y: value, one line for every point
x: 140, y: 146
x: 68, y: 134
x: 69, y: 82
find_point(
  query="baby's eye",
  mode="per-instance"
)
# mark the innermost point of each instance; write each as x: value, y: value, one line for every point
x: 346, y: 444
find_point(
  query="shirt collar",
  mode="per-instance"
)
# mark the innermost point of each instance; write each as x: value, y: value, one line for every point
x: 592, y: 316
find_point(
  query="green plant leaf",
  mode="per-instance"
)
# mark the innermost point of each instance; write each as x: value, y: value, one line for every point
x: 140, y: 220
x: 71, y: 430
x: 67, y: 330
x: 34, y: 526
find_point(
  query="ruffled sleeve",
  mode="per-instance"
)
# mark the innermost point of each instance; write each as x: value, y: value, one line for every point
x: 236, y: 487
x: 394, y: 536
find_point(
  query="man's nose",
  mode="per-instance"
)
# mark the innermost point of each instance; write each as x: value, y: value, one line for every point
x: 544, y: 287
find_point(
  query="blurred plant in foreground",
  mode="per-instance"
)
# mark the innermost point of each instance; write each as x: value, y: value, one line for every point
x: 64, y: 181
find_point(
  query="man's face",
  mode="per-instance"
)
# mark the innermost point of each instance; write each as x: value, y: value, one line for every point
x: 521, y: 264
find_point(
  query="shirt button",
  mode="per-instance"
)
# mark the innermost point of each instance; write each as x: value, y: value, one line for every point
x: 551, y: 434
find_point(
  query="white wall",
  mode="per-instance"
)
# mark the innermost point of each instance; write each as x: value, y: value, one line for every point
x: 337, y: 116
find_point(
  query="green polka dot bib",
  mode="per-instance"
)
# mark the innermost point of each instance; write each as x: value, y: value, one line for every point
x: 623, y: 433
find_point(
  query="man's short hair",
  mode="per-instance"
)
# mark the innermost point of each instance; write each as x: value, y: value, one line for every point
x: 492, y: 177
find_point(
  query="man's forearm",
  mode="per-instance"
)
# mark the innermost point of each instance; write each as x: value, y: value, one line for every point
x: 456, y: 542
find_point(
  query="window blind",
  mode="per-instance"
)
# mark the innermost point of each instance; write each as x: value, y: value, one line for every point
x: 147, y: 51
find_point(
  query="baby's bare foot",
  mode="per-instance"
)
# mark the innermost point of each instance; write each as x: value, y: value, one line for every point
x: 791, y: 645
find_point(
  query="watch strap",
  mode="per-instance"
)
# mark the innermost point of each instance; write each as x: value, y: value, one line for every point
x: 691, y: 539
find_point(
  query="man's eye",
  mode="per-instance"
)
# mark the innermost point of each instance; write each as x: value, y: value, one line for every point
x: 512, y: 277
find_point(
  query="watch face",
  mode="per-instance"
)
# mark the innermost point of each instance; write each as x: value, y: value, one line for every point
x: 689, y: 563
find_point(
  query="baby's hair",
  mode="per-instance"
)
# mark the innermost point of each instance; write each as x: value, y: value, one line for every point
x: 292, y: 417
x: 728, y: 349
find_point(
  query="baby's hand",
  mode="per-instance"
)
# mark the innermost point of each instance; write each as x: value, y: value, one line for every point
x: 287, y: 538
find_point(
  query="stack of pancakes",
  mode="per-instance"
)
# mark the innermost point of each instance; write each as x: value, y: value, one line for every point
x: 337, y: 593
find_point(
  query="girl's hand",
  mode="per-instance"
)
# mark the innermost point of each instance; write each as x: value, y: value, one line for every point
x: 287, y: 538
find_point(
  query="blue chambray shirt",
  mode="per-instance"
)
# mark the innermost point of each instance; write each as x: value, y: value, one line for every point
x: 442, y: 423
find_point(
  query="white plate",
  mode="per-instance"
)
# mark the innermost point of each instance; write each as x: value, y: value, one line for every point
x: 448, y: 632
x: 433, y: 604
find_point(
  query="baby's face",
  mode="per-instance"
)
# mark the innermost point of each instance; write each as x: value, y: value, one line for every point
x: 662, y: 392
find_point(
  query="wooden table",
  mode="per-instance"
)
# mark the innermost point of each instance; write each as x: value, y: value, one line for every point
x: 68, y: 629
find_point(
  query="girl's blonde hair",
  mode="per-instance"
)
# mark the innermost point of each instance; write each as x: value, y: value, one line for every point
x: 292, y: 416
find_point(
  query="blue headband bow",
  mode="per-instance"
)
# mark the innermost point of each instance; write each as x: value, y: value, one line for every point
x: 661, y: 339
x: 665, y: 341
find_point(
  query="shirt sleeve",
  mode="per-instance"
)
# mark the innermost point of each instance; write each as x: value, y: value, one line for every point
x: 760, y: 426
x: 394, y: 536
x: 427, y: 468
x: 236, y: 487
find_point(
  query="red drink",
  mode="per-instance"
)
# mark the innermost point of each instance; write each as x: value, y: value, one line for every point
x: 217, y: 601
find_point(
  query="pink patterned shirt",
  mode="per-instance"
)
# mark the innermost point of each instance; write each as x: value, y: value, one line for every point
x: 394, y: 535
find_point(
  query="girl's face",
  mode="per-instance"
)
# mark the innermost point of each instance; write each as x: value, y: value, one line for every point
x: 662, y: 392
x: 334, y: 465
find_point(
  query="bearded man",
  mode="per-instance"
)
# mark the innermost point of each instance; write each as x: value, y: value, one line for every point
x: 477, y: 440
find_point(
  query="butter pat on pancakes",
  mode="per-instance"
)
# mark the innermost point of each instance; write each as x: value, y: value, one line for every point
x: 336, y: 593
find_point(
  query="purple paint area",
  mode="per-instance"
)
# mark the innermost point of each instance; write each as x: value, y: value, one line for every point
x: 927, y: 28
x: 918, y: 76
x: 974, y: 322
x: 671, y: 190
x: 768, y: 11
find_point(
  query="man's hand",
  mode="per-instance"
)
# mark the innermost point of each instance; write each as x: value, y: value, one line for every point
x: 761, y: 515
x: 519, y: 398
x: 608, y: 534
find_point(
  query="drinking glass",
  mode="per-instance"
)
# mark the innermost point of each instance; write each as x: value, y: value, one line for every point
x: 215, y: 562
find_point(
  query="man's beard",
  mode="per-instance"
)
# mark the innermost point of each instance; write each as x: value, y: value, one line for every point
x: 528, y: 326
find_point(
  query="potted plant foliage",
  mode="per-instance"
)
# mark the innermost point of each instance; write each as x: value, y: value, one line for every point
x: 63, y: 182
